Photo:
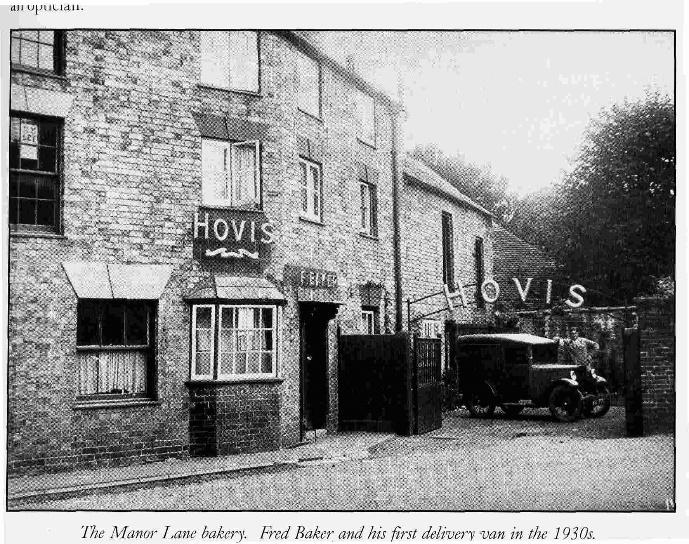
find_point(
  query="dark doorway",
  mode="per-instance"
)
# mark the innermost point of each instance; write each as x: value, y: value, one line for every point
x: 314, y: 319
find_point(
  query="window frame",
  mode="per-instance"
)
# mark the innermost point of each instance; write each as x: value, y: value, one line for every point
x: 360, y: 124
x: 228, y: 86
x: 309, y: 215
x: 231, y: 145
x: 479, y: 268
x: 216, y: 325
x: 448, y: 253
x: 371, y: 227
x: 370, y: 317
x: 57, y: 175
x: 149, y: 349
x: 302, y: 59
x: 59, y: 41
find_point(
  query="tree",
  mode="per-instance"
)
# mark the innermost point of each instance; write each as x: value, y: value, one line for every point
x: 613, y: 227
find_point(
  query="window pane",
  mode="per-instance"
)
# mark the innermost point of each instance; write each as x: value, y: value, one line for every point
x: 267, y: 363
x: 46, y: 159
x: 29, y: 34
x: 27, y: 186
x: 45, y: 188
x: 203, y: 364
x: 267, y: 318
x: 240, y: 363
x: 29, y: 54
x: 46, y: 36
x: 225, y: 363
x: 204, y: 340
x: 308, y: 91
x: 87, y: 323
x: 45, y: 213
x: 244, y: 174
x: 47, y: 133
x: 203, y: 318
x: 254, y: 363
x: 137, y: 324
x: 244, y: 60
x: 215, y: 59
x: 113, y: 324
x: 215, y: 171
x: 304, y: 190
x: 27, y: 212
x: 45, y: 57
x: 268, y: 341
x: 16, y: 45
x: 14, y: 210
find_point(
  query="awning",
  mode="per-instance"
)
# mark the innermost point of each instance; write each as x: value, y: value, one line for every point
x: 238, y: 289
x: 120, y: 281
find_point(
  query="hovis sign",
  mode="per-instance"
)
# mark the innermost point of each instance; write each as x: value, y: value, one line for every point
x: 232, y: 234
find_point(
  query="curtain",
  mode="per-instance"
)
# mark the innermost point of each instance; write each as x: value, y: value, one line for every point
x: 121, y: 371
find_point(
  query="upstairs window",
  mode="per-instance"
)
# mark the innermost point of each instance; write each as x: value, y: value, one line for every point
x: 34, y: 175
x: 231, y: 174
x: 366, y: 118
x: 229, y: 60
x: 41, y: 49
x: 480, y: 270
x: 309, y: 86
x: 368, y: 208
x: 448, y: 250
x: 311, y: 190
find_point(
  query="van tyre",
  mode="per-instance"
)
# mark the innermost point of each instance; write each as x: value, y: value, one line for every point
x: 481, y: 401
x: 565, y: 403
x: 512, y: 410
x: 599, y: 404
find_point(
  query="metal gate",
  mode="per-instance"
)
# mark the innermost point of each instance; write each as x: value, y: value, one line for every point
x: 427, y: 385
x: 375, y: 383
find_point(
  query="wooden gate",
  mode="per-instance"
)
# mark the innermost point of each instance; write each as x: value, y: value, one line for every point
x: 427, y: 385
x: 375, y: 383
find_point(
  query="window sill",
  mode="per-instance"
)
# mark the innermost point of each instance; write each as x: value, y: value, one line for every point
x: 36, y: 234
x: 367, y: 144
x: 312, y: 221
x: 229, y: 207
x: 255, y: 94
x: 238, y: 381
x: 369, y: 236
x: 37, y: 72
x: 114, y: 403
x: 311, y: 115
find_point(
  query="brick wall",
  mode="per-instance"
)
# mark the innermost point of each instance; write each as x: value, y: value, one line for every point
x: 132, y: 182
x: 657, y: 352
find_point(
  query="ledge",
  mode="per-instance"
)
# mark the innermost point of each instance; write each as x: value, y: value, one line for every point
x: 255, y: 94
x: 257, y: 381
x: 116, y: 403
x: 37, y: 72
x: 312, y: 221
x: 311, y: 115
x: 37, y: 234
x: 369, y: 236
x: 367, y: 144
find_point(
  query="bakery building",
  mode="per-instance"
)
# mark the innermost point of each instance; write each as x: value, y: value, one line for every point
x: 195, y: 216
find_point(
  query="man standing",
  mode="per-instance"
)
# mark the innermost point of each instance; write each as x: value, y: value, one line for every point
x: 576, y: 349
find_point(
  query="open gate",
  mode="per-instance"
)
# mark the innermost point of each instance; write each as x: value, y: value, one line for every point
x: 427, y: 385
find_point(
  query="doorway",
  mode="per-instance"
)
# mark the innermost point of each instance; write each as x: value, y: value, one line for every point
x: 313, y: 324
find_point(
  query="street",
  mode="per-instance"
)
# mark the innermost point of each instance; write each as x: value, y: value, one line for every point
x: 526, y: 463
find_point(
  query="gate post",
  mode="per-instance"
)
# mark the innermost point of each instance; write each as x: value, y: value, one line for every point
x: 632, y: 383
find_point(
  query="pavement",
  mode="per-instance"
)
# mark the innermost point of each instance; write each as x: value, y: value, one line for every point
x: 326, y: 448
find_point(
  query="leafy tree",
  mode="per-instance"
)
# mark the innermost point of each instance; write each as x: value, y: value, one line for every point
x: 611, y: 220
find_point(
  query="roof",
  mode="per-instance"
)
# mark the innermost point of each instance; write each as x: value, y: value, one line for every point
x: 298, y: 38
x: 240, y: 288
x: 418, y: 173
x: 517, y: 338
x: 513, y: 256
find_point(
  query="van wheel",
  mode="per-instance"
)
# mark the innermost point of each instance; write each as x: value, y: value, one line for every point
x: 565, y: 403
x: 600, y: 404
x: 480, y: 401
x: 512, y: 410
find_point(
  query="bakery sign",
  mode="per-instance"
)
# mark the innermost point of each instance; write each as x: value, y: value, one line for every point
x: 232, y: 234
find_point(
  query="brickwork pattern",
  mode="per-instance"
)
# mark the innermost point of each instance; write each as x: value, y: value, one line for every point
x: 131, y: 184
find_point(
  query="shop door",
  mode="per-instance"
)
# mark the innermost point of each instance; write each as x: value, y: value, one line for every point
x: 314, y: 364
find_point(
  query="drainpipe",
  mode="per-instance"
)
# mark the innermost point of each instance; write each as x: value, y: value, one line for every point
x: 396, y: 236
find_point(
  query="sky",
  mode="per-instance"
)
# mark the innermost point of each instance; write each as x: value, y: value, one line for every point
x: 515, y: 103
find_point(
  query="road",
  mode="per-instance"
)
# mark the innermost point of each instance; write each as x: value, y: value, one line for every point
x: 526, y: 463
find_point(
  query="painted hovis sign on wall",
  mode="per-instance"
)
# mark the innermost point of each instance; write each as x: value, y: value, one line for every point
x: 232, y: 234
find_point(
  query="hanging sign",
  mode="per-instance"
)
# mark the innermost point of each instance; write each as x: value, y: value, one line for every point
x: 232, y: 234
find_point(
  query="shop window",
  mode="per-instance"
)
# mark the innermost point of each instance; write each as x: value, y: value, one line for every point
x: 370, y: 321
x: 231, y: 174
x: 448, y: 250
x: 480, y: 271
x: 309, y: 85
x: 311, y: 190
x: 246, y: 342
x: 229, y: 60
x: 366, y: 118
x: 368, y: 208
x: 38, y: 49
x: 34, y: 172
x: 115, y: 340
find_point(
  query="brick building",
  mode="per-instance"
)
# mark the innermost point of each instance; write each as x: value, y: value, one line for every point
x: 446, y: 239
x: 193, y: 218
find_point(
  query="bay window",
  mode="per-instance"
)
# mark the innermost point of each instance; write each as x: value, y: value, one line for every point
x: 115, y: 345
x: 246, y: 341
x: 311, y: 190
x: 230, y: 59
x: 231, y: 173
